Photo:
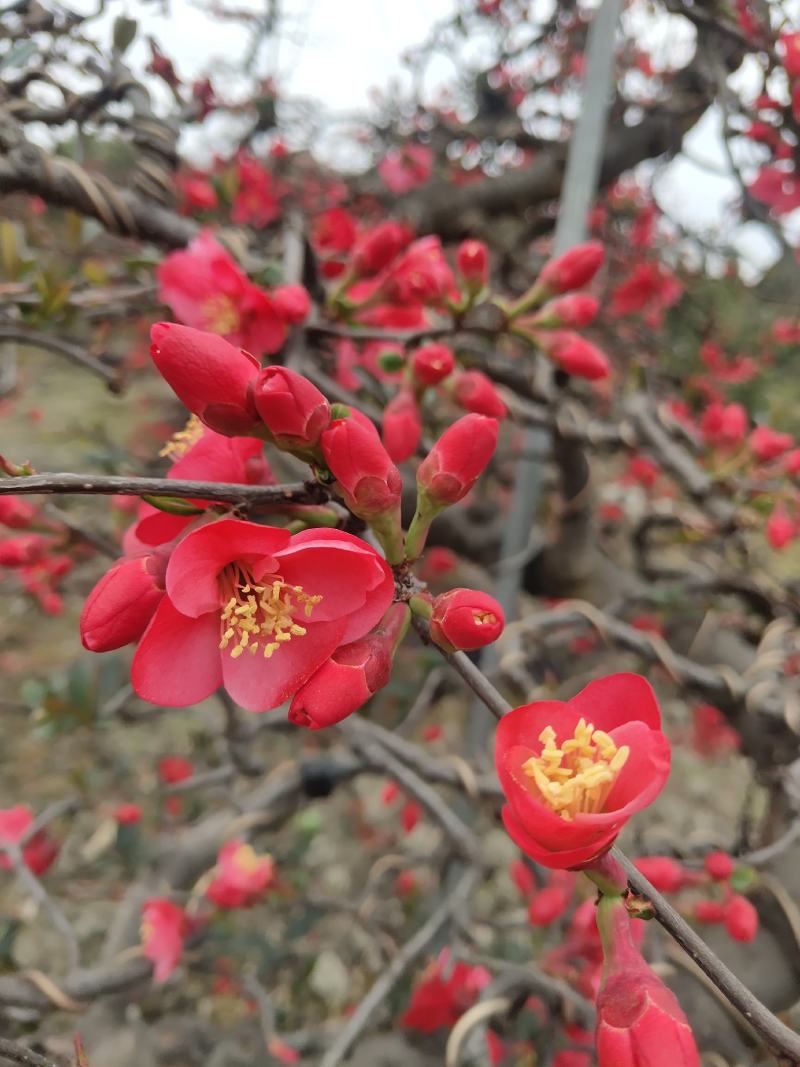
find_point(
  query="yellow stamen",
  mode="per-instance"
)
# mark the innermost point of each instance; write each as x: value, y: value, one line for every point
x: 220, y: 314
x: 256, y: 611
x: 182, y: 441
x: 576, y: 777
x: 484, y: 618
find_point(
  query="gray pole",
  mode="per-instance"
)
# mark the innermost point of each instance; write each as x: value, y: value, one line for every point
x: 580, y: 185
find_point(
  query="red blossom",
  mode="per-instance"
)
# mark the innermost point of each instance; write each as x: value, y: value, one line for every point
x: 128, y: 814
x: 472, y: 262
x: 39, y: 851
x: 617, y: 721
x: 712, y: 735
x: 465, y: 619
x: 458, y: 459
x: 206, y: 289
x: 420, y: 275
x: 370, y: 483
x: 574, y: 354
x: 256, y: 610
x: 790, y: 44
x: 164, y: 928
x: 724, y: 424
x: 768, y: 444
x: 334, y: 231
x: 432, y: 363
x: 377, y: 247
x: 403, y: 169
x: 549, y: 904
x: 444, y: 993
x: 574, y: 269
x: 781, y: 528
x: 665, y: 873
x: 292, y: 303
x: 119, y: 608
x: 255, y: 203
x: 741, y: 918
x: 241, y: 877
x: 292, y: 408
x: 16, y: 513
x: 173, y: 769
x: 719, y: 866
x: 210, y: 377
x: 402, y: 426
x: 474, y: 392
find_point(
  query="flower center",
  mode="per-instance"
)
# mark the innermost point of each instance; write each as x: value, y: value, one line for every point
x: 577, y: 777
x: 260, y: 616
x: 484, y: 618
x: 221, y: 314
x: 180, y: 442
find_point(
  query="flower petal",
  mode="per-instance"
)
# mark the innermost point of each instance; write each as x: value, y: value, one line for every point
x: 178, y: 660
x: 609, y: 702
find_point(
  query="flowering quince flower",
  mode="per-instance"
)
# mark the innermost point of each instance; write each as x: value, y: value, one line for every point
x: 719, y: 866
x: 574, y: 354
x: 164, y: 928
x: 16, y: 513
x: 196, y: 193
x: 432, y: 363
x: 740, y: 918
x: 257, y: 610
x: 473, y: 391
x: 724, y: 424
x: 444, y: 993
x: 711, y: 733
x: 206, y: 289
x: 127, y: 814
x: 472, y: 263
x: 38, y: 853
x: 709, y: 911
x: 377, y: 247
x: 465, y: 619
x: 458, y: 459
x: 402, y: 426
x: 209, y: 376
x: 403, y: 169
x: 241, y: 878
x: 572, y: 270
x: 119, y: 608
x: 410, y: 816
x: 334, y: 231
x: 368, y: 479
x: 781, y: 529
x: 292, y: 303
x: 353, y: 674
x: 665, y: 873
x: 573, y: 773
x: 768, y: 444
x: 639, y: 1020
x: 420, y: 275
x: 547, y: 905
x: 572, y: 311
x: 292, y: 408
x: 173, y: 769
x: 255, y: 203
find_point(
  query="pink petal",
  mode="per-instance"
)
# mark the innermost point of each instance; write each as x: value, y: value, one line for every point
x: 178, y: 659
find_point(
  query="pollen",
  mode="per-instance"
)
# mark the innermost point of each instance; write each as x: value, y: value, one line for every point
x: 484, y: 618
x: 260, y: 617
x: 221, y: 315
x: 180, y: 442
x: 576, y: 777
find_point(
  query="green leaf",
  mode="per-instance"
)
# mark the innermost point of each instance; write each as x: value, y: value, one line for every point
x: 743, y: 878
x: 173, y: 505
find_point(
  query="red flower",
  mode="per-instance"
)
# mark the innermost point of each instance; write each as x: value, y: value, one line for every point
x: 639, y: 1020
x: 259, y: 611
x: 128, y: 814
x: 711, y: 733
x: 292, y: 303
x: 719, y: 865
x: 403, y: 169
x: 790, y: 43
x: 38, y: 853
x: 378, y: 246
x: 334, y: 231
x: 473, y: 391
x: 723, y: 424
x: 458, y: 459
x: 574, y: 354
x: 741, y: 918
x: 402, y: 426
x: 16, y: 513
x: 445, y: 992
x: 351, y: 676
x: 432, y: 363
x: 420, y: 276
x: 781, y: 529
x: 241, y: 878
x: 173, y: 769
x: 573, y: 269
x: 210, y: 377
x: 206, y: 289
x: 465, y: 619
x: 255, y: 203
x: 665, y: 873
x: 548, y: 904
x: 164, y: 927
x: 121, y: 605
x: 768, y: 444
x: 709, y: 911
x: 294, y: 411
x: 472, y: 261
x: 369, y: 482
x: 196, y: 193
x: 564, y: 821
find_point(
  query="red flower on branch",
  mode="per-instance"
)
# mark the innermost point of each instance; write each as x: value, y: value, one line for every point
x: 164, y: 929
x: 444, y: 993
x: 573, y: 773
x: 465, y: 619
x: 258, y: 611
x: 241, y: 877
x: 38, y: 852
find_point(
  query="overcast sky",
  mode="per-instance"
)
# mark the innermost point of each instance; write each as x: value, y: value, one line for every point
x: 337, y: 51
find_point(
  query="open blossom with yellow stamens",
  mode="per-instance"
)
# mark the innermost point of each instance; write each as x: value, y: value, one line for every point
x: 573, y: 773
x: 182, y: 440
x: 257, y: 610
x: 242, y: 877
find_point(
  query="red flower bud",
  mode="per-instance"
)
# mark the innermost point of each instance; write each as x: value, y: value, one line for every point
x: 378, y: 247
x: 370, y: 483
x: 639, y: 1020
x: 741, y: 918
x: 39, y: 852
x: 119, y: 608
x: 292, y: 302
x: 294, y: 411
x: 472, y: 261
x: 351, y: 676
x: 666, y: 874
x: 458, y: 459
x: 402, y: 427
x: 432, y: 363
x: 573, y: 269
x: 723, y: 424
x: 574, y: 310
x: 719, y: 865
x: 780, y: 529
x: 465, y: 619
x: 768, y: 444
x: 709, y: 911
x: 128, y: 814
x: 207, y: 374
x: 16, y: 512
x: 575, y: 354
x: 23, y: 549
x: 473, y: 391
x: 549, y: 904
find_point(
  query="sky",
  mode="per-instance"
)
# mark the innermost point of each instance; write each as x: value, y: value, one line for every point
x: 338, y: 51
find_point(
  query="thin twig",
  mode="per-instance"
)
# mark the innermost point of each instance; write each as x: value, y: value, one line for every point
x: 39, y: 894
x: 14, y: 1053
x: 74, y: 353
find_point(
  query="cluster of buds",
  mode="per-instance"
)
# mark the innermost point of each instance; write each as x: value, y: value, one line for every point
x: 34, y: 551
